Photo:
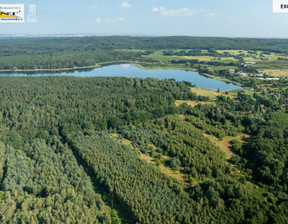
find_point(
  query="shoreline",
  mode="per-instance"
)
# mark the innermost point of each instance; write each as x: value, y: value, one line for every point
x: 137, y: 64
x: 188, y: 69
x: 99, y: 65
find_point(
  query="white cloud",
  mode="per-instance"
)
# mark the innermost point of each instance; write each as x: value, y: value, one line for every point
x: 125, y: 5
x: 111, y: 20
x: 93, y: 7
x: 211, y: 14
x: 155, y: 9
x: 121, y: 19
x: 174, y: 12
x: 228, y: 18
x: 108, y: 20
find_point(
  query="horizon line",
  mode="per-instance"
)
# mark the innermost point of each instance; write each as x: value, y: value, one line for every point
x: 130, y: 35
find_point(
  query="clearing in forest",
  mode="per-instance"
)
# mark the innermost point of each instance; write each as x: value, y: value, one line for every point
x: 212, y: 94
x: 175, y: 174
x: 191, y: 103
x: 225, y: 145
x: 275, y: 72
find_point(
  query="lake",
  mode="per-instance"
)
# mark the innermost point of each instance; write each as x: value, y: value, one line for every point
x: 132, y: 71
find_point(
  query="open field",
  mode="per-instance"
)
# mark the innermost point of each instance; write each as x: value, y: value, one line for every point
x: 206, y: 92
x: 275, y: 65
x: 258, y: 54
x: 210, y: 58
x: 266, y: 62
x: 158, y: 55
x: 275, y: 72
x: 129, y: 50
x: 212, y: 94
x: 192, y: 103
x: 225, y: 144
x: 225, y: 147
x: 233, y: 52
x: 163, y: 65
x: 200, y: 58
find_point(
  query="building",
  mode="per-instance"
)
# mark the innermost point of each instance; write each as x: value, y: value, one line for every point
x: 250, y: 63
x: 257, y: 75
x: 241, y: 73
x: 268, y: 79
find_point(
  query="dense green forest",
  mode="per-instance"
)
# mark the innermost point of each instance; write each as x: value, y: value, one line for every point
x: 143, y: 43
x: 73, y: 52
x: 59, y: 161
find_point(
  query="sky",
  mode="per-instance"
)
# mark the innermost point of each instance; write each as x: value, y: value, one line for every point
x: 224, y: 18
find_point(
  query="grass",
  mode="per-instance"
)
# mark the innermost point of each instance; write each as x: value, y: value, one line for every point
x: 68, y: 69
x: 129, y: 50
x: 200, y: 58
x: 275, y: 72
x: 233, y: 52
x: 158, y: 55
x: 191, y: 103
x: 225, y: 147
x: 212, y: 94
x: 163, y: 65
x: 272, y: 65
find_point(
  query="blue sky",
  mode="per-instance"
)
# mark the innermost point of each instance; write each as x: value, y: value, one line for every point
x: 227, y: 18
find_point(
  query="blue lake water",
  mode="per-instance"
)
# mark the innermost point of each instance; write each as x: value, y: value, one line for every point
x: 132, y: 71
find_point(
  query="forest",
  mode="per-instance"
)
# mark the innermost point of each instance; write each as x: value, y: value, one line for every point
x: 73, y: 52
x: 60, y: 161
x: 131, y: 150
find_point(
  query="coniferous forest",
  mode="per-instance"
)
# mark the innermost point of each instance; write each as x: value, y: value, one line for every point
x: 124, y: 150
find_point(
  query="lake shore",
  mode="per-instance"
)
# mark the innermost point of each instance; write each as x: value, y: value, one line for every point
x: 135, y: 70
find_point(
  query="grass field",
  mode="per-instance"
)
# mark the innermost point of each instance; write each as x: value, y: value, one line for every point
x: 212, y: 94
x: 275, y: 72
x: 192, y: 103
x: 265, y: 63
x: 158, y: 55
x: 200, y: 58
x: 129, y: 50
x: 163, y: 65
x: 233, y: 52
x: 225, y: 145
x: 275, y: 65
